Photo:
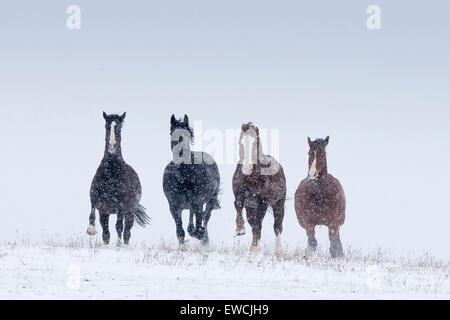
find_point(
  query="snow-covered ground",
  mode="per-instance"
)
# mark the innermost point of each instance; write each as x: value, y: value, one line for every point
x: 80, y: 268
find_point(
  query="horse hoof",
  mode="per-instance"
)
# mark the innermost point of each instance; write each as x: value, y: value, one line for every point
x: 91, y: 230
x: 240, y: 230
x: 336, y: 255
x: 119, y: 243
x: 312, y: 244
x: 106, y: 243
x: 336, y: 252
x: 254, y: 248
x: 199, y: 233
x: 191, y: 230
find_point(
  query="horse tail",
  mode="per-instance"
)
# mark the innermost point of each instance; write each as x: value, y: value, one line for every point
x: 141, y: 217
x: 216, y: 203
x: 215, y: 200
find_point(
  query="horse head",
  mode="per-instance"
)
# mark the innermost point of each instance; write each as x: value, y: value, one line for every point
x: 249, y: 145
x: 317, y: 158
x: 180, y: 131
x: 113, y: 137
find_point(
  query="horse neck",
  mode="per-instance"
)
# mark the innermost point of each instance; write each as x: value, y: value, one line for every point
x: 323, y: 171
x: 260, y: 154
x: 113, y: 157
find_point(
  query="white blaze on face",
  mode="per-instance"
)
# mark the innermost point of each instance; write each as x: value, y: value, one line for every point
x: 249, y: 144
x: 313, y: 170
x: 112, y: 137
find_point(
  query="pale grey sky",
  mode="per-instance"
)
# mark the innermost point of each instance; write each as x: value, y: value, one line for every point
x: 306, y: 68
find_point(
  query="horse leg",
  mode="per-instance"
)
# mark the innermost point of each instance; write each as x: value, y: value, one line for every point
x: 255, y: 217
x: 129, y: 222
x: 278, y: 214
x: 199, y: 230
x: 191, y: 228
x: 240, y: 224
x: 119, y: 228
x: 104, y: 221
x: 206, y: 217
x: 176, y: 214
x: 336, y: 249
x: 311, y: 233
x: 91, y: 229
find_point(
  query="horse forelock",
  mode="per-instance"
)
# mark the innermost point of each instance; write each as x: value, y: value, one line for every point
x: 115, y: 118
x: 320, y: 143
x: 179, y: 124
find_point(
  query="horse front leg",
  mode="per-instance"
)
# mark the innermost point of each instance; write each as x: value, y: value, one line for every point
x: 311, y: 233
x: 104, y: 221
x: 129, y: 222
x: 206, y: 217
x: 199, y: 230
x: 176, y: 214
x: 191, y: 227
x: 119, y: 228
x: 91, y: 228
x: 336, y: 249
x: 278, y: 214
x: 255, y: 217
x: 240, y: 224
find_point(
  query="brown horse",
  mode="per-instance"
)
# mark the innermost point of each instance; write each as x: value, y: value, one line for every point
x: 258, y: 183
x: 320, y: 199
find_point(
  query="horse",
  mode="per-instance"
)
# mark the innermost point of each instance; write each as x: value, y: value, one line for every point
x: 320, y: 199
x: 191, y: 181
x: 258, y: 182
x: 116, y: 188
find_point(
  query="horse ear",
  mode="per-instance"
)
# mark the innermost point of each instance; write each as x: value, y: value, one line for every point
x: 257, y: 131
x: 105, y: 116
x: 122, y: 117
x: 186, y: 120
x: 309, y: 142
x: 173, y: 120
x: 327, y: 139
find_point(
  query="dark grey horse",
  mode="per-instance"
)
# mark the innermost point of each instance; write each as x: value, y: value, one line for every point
x: 116, y: 188
x: 191, y: 181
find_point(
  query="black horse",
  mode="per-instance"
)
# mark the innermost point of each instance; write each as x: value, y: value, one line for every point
x: 191, y: 181
x: 116, y: 188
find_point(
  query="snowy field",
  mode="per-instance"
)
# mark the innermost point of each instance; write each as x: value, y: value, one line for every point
x: 80, y: 268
